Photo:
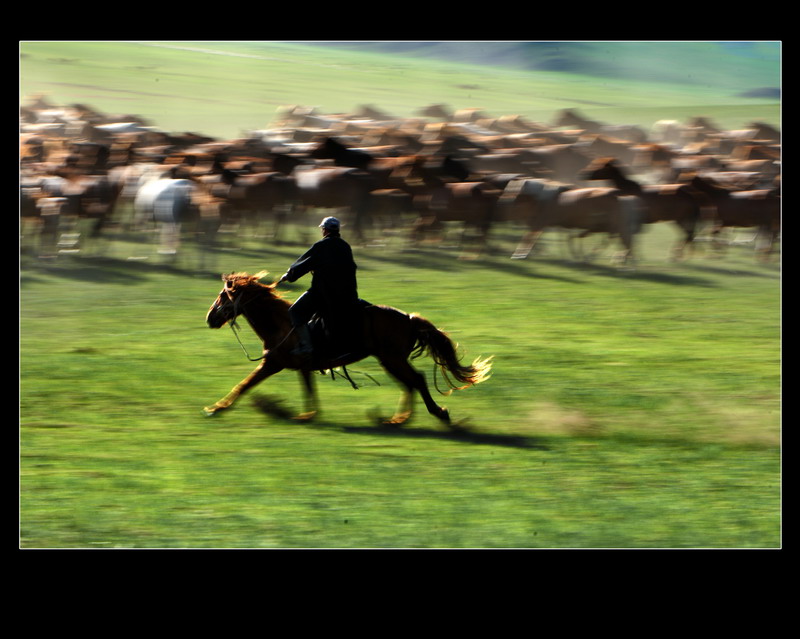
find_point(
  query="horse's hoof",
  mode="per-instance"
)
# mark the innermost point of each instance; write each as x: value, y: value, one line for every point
x: 305, y: 417
x: 397, y: 420
x: 210, y: 411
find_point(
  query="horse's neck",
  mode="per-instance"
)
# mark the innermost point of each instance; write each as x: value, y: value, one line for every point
x: 624, y: 183
x: 269, y: 318
x: 710, y: 189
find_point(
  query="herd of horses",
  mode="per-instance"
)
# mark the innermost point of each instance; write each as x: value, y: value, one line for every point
x: 415, y: 175
x: 381, y: 174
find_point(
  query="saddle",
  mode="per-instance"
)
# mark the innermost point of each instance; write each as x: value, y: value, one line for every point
x: 336, y: 335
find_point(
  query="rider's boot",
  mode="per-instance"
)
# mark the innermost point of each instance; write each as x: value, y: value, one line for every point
x: 303, y: 350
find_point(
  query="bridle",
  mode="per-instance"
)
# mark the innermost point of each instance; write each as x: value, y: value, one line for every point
x: 238, y: 305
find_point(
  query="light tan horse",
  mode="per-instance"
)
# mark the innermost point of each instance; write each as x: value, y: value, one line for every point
x: 543, y: 204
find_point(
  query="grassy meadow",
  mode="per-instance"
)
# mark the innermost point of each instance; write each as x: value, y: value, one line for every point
x: 635, y: 409
x: 627, y: 409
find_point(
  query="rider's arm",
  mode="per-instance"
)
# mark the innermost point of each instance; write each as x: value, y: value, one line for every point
x: 304, y: 264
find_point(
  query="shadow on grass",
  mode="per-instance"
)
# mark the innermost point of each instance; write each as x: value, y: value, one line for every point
x: 196, y: 261
x: 460, y: 431
x: 443, y: 260
x: 613, y: 271
x: 106, y: 270
x: 769, y: 271
x: 191, y: 262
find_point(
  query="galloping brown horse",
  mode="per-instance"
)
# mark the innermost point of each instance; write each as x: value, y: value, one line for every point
x: 679, y: 203
x: 542, y: 204
x: 339, y: 188
x: 743, y: 208
x: 441, y: 194
x: 386, y: 333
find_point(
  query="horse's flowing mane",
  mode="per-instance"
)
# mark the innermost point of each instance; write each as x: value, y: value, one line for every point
x: 270, y: 296
x: 236, y: 280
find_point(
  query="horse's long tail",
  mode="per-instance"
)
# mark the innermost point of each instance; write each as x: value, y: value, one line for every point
x: 437, y: 344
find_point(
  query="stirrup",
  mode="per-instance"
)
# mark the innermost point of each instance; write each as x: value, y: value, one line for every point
x: 304, y: 348
x: 304, y: 352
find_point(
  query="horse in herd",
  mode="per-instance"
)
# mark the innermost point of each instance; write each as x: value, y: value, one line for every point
x: 678, y: 203
x: 734, y: 208
x: 543, y: 204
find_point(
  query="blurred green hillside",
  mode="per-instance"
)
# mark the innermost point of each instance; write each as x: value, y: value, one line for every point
x: 223, y: 89
x: 739, y: 66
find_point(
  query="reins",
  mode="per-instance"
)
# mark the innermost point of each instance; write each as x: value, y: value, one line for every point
x: 235, y: 330
x: 235, y: 327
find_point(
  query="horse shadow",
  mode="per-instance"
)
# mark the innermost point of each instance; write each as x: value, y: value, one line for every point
x: 614, y: 272
x: 460, y: 431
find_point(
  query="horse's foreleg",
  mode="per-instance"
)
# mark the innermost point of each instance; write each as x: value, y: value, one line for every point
x: 687, y: 230
x: 311, y: 404
x: 170, y: 234
x: 765, y: 241
x: 264, y: 370
x: 526, y: 245
x: 627, y: 257
x: 280, y: 218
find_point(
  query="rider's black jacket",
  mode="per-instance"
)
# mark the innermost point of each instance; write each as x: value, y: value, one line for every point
x: 333, y: 283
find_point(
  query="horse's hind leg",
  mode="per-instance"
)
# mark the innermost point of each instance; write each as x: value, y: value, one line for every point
x: 412, y: 380
x: 311, y: 405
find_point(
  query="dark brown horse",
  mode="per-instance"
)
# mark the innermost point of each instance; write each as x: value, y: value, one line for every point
x: 440, y: 194
x: 679, y: 203
x: 388, y: 334
x: 253, y: 198
x: 336, y: 188
x: 733, y: 208
x: 64, y: 200
x: 332, y: 149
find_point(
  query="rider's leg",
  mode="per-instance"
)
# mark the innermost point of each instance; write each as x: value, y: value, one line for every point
x: 300, y: 313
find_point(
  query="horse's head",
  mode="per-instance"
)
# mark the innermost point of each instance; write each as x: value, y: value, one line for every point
x: 327, y: 149
x: 238, y: 290
x: 602, y: 168
x: 567, y: 117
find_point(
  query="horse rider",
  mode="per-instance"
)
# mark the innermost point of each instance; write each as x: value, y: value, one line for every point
x: 334, y: 289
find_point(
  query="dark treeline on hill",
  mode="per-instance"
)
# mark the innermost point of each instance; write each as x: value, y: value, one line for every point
x: 741, y: 65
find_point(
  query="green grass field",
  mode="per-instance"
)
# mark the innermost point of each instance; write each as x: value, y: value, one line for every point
x: 627, y: 409
x: 636, y: 409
